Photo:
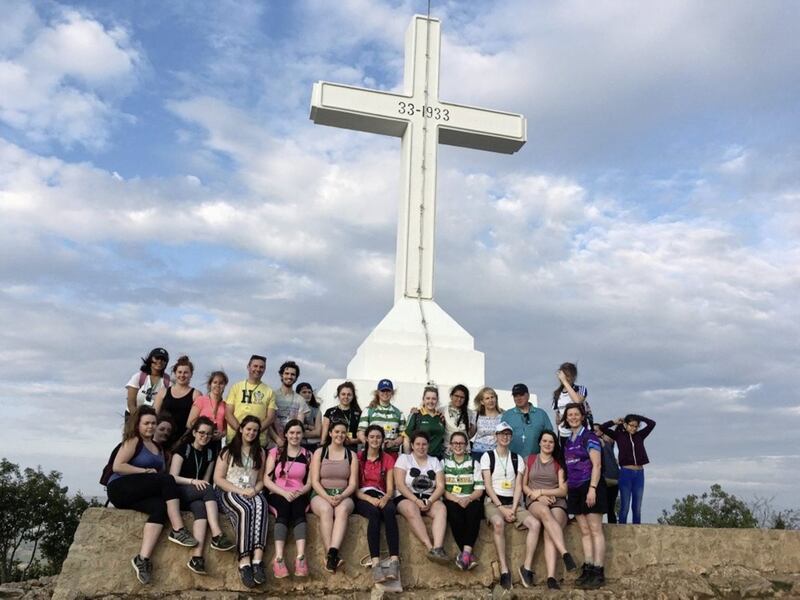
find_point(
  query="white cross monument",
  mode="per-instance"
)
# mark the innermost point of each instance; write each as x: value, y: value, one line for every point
x: 417, y: 342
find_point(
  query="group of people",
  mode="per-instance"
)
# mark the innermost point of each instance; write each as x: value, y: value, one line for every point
x: 282, y: 455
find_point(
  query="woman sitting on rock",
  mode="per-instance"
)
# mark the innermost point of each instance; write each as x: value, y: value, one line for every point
x: 239, y: 478
x: 546, y: 490
x: 586, y: 494
x: 334, y: 479
x: 192, y: 465
x: 288, y: 485
x: 139, y: 482
x: 503, y: 476
x: 419, y: 480
x: 463, y: 498
x: 374, y: 501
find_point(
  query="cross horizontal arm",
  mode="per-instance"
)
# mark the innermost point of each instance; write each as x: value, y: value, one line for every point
x: 482, y: 129
x: 355, y: 108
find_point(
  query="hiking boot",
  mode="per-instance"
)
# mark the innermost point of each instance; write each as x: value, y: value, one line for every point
x: 526, y: 576
x: 569, y: 562
x: 505, y: 581
x: 377, y: 573
x: 300, y: 567
x: 143, y: 568
x: 182, y: 537
x: 462, y: 560
x: 279, y: 569
x: 259, y: 575
x: 197, y: 564
x: 438, y: 555
x: 596, y: 580
x: 221, y: 543
x: 552, y: 584
x: 586, y: 573
x: 246, y: 575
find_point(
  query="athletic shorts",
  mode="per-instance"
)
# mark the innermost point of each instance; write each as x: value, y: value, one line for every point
x: 576, y: 499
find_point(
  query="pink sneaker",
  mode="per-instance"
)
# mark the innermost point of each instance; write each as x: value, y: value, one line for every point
x: 300, y: 567
x: 279, y: 569
x: 473, y: 562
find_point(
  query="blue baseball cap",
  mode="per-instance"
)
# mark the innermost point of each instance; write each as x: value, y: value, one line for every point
x: 385, y: 384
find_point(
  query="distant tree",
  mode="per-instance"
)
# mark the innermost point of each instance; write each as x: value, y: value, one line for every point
x: 37, y: 516
x: 768, y: 517
x: 715, y: 508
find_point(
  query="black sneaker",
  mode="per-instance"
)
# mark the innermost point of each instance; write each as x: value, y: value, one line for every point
x: 526, y: 576
x: 182, y: 537
x: 569, y: 562
x: 143, y: 568
x: 332, y: 561
x: 586, y: 573
x: 197, y: 564
x: 552, y: 584
x: 596, y: 580
x: 259, y: 575
x: 246, y: 575
x: 221, y: 543
x: 505, y: 581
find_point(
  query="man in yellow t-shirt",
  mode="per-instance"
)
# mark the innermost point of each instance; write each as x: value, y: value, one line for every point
x: 251, y: 397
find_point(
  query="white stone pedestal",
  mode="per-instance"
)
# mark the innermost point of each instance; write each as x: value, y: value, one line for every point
x: 396, y: 350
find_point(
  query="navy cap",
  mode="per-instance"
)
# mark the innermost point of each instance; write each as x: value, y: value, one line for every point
x: 385, y: 384
x: 519, y: 389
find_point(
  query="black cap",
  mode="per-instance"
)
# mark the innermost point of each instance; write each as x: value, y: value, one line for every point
x: 158, y: 353
x: 519, y: 389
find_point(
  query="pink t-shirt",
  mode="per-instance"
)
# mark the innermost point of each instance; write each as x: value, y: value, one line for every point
x: 205, y: 405
x: 292, y: 474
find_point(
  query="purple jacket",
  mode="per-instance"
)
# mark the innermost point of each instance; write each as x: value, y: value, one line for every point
x: 630, y: 447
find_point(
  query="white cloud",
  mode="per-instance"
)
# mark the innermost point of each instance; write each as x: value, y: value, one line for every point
x: 64, y: 82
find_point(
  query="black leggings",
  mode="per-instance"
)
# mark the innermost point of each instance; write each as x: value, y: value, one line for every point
x: 374, y: 516
x: 145, y: 492
x: 613, y: 492
x: 288, y: 513
x: 465, y: 523
x: 195, y: 500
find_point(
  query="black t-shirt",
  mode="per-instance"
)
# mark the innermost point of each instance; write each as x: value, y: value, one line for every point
x: 351, y: 417
x: 195, y: 462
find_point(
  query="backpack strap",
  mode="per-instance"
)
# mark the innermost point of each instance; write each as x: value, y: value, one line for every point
x: 531, y: 460
x: 142, y: 378
x: 491, y: 462
x: 514, y: 459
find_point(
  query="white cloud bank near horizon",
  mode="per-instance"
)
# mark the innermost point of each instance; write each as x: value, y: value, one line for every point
x: 162, y: 185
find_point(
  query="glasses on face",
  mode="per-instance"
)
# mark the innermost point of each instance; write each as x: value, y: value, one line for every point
x: 458, y: 443
x: 158, y: 359
x: 458, y: 397
x: 506, y: 432
x: 204, y: 433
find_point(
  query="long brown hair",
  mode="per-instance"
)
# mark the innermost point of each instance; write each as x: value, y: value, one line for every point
x: 235, y: 447
x: 131, y: 429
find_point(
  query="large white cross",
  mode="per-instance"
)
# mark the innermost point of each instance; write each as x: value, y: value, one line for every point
x: 423, y: 122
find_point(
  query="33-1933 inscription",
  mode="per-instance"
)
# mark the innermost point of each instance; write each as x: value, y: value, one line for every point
x: 432, y: 112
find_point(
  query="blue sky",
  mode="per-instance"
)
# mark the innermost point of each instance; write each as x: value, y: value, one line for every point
x: 161, y: 184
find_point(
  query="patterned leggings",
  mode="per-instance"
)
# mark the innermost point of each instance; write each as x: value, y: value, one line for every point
x: 249, y: 517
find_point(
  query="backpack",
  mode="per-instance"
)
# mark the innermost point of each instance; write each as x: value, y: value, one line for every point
x: 532, y: 459
x: 210, y: 458
x: 108, y: 470
x: 143, y: 377
x: 514, y: 458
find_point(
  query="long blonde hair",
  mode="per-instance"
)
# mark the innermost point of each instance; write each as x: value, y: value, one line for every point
x: 478, y: 402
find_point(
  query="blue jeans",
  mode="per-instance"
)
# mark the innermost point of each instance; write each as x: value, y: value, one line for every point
x: 631, y: 490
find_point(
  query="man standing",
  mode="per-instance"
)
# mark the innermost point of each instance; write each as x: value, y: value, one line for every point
x: 526, y: 421
x: 288, y: 403
x: 251, y: 397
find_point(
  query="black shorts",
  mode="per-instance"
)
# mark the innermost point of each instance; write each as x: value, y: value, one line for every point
x: 576, y: 499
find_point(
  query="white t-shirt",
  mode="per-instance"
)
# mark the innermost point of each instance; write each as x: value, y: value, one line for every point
x: 451, y: 417
x: 503, y: 478
x: 288, y: 407
x: 565, y: 399
x: 146, y: 394
x: 423, y: 479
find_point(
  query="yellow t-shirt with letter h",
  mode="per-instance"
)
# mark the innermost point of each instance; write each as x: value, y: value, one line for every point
x: 248, y: 399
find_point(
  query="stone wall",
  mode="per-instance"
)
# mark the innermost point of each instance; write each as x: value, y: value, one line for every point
x: 668, y: 561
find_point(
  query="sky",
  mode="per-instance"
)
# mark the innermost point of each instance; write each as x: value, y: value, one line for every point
x: 161, y: 184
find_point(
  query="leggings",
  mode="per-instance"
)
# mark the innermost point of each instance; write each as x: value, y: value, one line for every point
x: 631, y: 490
x: 145, y: 492
x: 249, y: 517
x: 465, y: 523
x: 289, y: 515
x: 374, y: 516
x: 195, y: 500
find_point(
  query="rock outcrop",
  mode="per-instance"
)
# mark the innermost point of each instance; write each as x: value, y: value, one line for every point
x: 643, y: 561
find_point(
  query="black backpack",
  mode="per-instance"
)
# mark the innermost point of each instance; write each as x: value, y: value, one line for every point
x: 108, y: 470
x: 514, y: 458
